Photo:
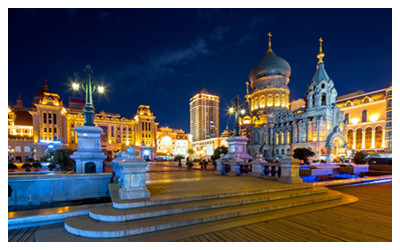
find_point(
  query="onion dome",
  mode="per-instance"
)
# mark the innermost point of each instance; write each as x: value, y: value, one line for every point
x: 270, y: 65
x: 41, y: 92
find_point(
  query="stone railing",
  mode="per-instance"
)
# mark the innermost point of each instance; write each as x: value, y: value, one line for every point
x: 287, y: 170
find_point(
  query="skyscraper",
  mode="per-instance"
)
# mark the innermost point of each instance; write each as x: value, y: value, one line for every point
x: 204, y: 116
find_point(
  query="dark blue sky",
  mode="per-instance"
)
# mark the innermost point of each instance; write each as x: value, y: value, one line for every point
x: 162, y: 57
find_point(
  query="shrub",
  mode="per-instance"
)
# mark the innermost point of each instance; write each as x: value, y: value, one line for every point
x: 203, y: 164
x: 302, y: 154
x: 189, y: 164
x: 12, y: 166
x: 62, y: 157
x: 359, y: 157
x: 217, y: 154
x: 36, y: 165
x: 51, y: 166
x: 27, y: 166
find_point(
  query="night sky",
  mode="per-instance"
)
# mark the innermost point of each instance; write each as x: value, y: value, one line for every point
x: 162, y: 57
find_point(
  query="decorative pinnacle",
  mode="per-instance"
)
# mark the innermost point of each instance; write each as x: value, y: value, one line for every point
x: 269, y: 42
x: 321, y: 54
x: 247, y: 92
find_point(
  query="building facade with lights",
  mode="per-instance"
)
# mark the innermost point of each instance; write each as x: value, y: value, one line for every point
x: 172, y: 142
x: 274, y: 129
x: 50, y: 124
x: 205, y: 148
x: 369, y: 120
x: 204, y: 116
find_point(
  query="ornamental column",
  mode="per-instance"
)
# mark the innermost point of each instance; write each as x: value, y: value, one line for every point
x: 373, y: 138
x: 363, y: 140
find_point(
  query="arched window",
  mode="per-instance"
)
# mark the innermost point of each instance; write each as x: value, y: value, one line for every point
x: 270, y: 101
x: 350, y: 138
x: 323, y: 99
x: 378, y: 137
x: 282, y: 138
x: 368, y: 137
x: 277, y: 139
x: 277, y: 101
x: 348, y: 104
x: 347, y: 118
x: 358, y: 138
x: 288, y: 138
x: 256, y: 103
x: 366, y: 99
x: 314, y: 101
x: 283, y: 100
x: 322, y: 85
x: 364, y: 115
x: 282, y: 151
x: 262, y: 101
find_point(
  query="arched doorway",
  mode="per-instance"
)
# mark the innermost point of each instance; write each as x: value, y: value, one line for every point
x: 358, y: 138
x: 378, y: 137
x: 368, y: 137
x: 350, y: 138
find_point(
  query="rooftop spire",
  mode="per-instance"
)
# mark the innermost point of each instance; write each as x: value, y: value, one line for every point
x: 247, y: 92
x: 45, y: 87
x: 269, y: 42
x: 321, y: 54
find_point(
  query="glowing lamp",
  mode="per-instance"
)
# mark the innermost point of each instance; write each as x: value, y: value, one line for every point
x: 101, y: 89
x: 231, y: 110
x: 355, y: 120
x: 242, y: 111
x: 373, y: 117
x: 127, y: 143
x: 75, y: 86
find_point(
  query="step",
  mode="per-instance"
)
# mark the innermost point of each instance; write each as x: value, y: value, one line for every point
x: 86, y: 227
x: 110, y: 214
x: 169, y: 198
x: 57, y: 232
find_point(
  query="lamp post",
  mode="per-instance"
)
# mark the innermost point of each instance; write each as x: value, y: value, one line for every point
x: 89, y: 87
x: 235, y: 110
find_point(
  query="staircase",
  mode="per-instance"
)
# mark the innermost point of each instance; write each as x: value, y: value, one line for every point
x: 151, y: 216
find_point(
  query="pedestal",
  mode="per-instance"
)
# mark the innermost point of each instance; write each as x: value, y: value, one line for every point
x: 256, y: 166
x: 88, y: 148
x: 290, y: 170
x: 237, y: 148
x: 133, y: 177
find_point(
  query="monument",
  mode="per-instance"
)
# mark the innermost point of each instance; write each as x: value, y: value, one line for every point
x: 88, y: 157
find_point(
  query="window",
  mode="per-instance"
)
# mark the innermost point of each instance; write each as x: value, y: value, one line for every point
x: 389, y: 104
x: 49, y: 130
x: 49, y: 115
x: 17, y: 148
x: 389, y: 114
x: 322, y: 85
x: 55, y: 130
x: 346, y: 118
x: 323, y: 99
x: 44, y: 118
x: 45, y: 130
x: 27, y: 149
x: 277, y: 138
x: 112, y: 131
x: 364, y: 115
x: 54, y: 119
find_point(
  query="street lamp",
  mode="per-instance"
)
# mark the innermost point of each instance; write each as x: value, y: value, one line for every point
x: 89, y: 88
x: 235, y: 110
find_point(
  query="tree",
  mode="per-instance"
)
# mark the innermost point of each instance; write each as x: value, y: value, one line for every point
x: 190, y: 152
x: 62, y: 157
x: 359, y: 157
x: 179, y: 158
x: 217, y: 154
x: 189, y: 164
x: 303, y: 154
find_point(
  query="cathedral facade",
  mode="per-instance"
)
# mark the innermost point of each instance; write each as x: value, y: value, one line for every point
x: 273, y: 129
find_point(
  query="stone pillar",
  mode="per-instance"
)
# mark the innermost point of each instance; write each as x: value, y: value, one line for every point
x: 383, y: 137
x: 220, y: 165
x: 354, y: 139
x: 373, y: 138
x: 363, y: 140
x: 116, y: 165
x: 290, y: 170
x: 257, y: 166
x: 133, y: 177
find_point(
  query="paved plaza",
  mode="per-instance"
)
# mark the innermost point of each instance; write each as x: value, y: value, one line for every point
x: 369, y: 219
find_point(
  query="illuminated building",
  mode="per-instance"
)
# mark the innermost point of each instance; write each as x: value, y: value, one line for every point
x: 172, y: 142
x: 204, y: 116
x: 20, y: 133
x: 205, y: 148
x: 51, y: 125
x: 369, y: 120
x: 275, y: 130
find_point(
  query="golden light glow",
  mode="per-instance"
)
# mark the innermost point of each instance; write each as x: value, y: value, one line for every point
x: 75, y: 86
x: 230, y: 110
x: 242, y: 111
x: 355, y: 120
x: 373, y: 117
x: 101, y: 89
x: 127, y: 143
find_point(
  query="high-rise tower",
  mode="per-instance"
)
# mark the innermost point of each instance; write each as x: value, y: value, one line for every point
x: 204, y: 116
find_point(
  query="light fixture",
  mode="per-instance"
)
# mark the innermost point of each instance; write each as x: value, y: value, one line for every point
x: 230, y: 110
x: 75, y: 86
x: 355, y: 121
x: 242, y: 111
x: 101, y: 89
x: 373, y: 117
